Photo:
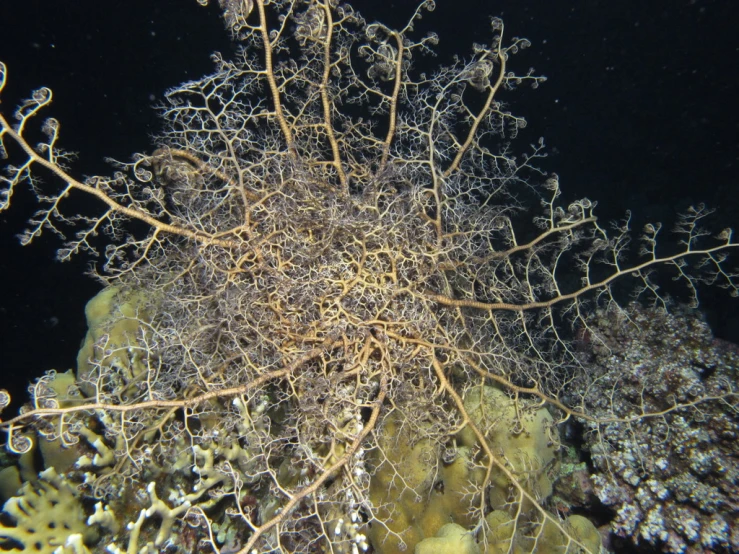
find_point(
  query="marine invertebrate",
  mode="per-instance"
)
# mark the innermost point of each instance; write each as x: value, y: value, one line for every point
x: 671, y: 479
x: 47, y: 518
x: 320, y: 277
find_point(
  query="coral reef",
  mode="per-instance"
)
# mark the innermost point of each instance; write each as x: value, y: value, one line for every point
x: 672, y: 478
x: 48, y: 518
x: 339, y: 309
x: 116, y: 320
x: 419, y: 486
x: 450, y: 539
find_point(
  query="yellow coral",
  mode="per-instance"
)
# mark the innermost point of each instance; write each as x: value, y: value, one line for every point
x: 48, y: 517
x: 117, y: 315
x: 418, y: 494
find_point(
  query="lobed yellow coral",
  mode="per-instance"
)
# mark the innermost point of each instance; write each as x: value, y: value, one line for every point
x: 427, y: 504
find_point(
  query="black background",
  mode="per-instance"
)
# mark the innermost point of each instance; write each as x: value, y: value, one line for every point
x: 639, y: 111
